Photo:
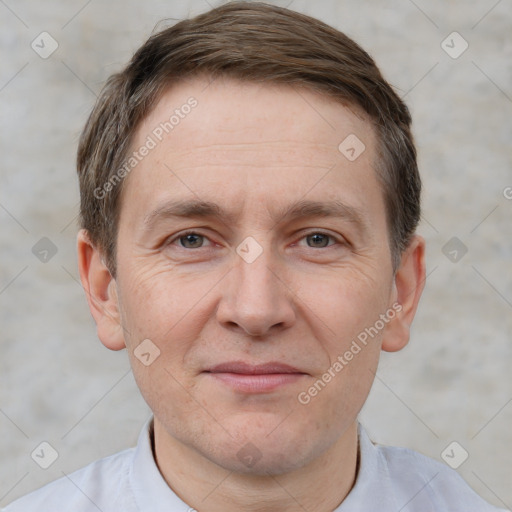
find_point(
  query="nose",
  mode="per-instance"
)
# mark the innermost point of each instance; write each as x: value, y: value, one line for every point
x: 256, y: 297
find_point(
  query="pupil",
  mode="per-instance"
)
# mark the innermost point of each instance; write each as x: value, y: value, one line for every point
x: 192, y: 239
x: 318, y: 237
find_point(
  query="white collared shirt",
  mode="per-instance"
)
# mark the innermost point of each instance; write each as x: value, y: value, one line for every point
x: 389, y: 479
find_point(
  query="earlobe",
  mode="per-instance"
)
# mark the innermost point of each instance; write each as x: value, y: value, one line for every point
x: 101, y: 292
x: 409, y: 282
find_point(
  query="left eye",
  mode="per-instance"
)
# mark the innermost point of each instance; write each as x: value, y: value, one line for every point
x: 318, y: 239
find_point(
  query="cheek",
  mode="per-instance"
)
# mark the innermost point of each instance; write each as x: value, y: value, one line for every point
x: 335, y: 396
x: 159, y: 304
x: 165, y: 308
x: 343, y: 305
x: 344, y: 310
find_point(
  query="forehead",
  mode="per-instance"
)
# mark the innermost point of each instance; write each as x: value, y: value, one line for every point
x: 248, y: 143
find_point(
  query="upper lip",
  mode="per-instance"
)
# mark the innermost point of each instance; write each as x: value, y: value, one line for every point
x: 253, y: 369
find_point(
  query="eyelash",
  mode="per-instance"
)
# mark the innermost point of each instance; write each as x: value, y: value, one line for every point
x: 305, y: 235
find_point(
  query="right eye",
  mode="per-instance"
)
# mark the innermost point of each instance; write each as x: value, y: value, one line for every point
x: 188, y: 240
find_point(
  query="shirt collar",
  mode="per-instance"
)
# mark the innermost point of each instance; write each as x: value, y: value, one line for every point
x: 150, y: 490
x: 372, y: 485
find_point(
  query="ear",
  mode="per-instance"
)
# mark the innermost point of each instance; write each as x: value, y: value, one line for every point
x: 408, y: 286
x: 101, y: 291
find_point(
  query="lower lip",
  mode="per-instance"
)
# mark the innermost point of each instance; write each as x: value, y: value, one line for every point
x: 259, y: 383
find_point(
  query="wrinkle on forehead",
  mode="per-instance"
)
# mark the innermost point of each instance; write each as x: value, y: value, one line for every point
x: 290, y: 140
x: 281, y: 153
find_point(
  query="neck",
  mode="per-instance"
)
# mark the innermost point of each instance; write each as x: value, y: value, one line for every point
x: 319, y: 486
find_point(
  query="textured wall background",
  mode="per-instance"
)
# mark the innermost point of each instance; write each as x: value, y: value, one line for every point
x: 452, y: 383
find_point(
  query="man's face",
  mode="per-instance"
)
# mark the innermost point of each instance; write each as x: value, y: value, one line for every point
x: 298, y: 292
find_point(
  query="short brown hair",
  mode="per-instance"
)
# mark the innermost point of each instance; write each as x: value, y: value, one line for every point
x: 248, y: 41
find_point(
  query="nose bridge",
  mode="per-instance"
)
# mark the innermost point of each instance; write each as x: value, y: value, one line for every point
x: 256, y: 279
x: 256, y: 300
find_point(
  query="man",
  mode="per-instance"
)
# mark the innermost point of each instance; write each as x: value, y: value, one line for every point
x: 249, y: 201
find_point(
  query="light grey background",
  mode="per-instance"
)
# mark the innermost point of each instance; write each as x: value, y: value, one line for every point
x: 453, y: 382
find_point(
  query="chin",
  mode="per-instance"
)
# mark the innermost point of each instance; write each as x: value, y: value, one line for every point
x: 267, y: 451
x: 250, y: 459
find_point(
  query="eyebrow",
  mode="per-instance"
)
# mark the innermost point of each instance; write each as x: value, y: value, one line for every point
x: 195, y: 208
